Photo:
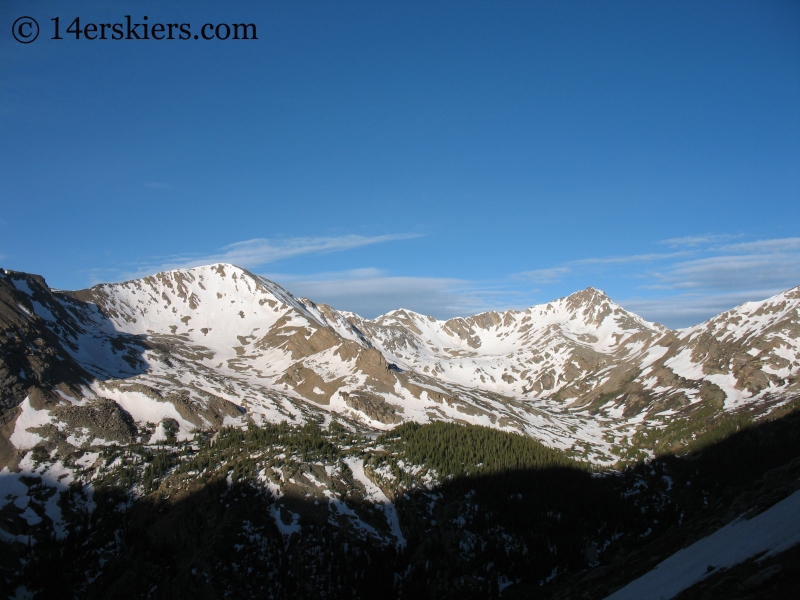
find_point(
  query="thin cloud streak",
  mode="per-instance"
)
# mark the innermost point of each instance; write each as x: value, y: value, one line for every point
x: 765, y: 246
x: 732, y: 272
x: 634, y: 258
x: 698, y: 240
x: 684, y: 287
x: 253, y: 253
x: 686, y: 310
x: 371, y: 293
x: 764, y: 264
x: 556, y: 274
x: 696, y: 283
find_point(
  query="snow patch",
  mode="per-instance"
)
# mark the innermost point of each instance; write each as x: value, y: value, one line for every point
x: 29, y: 418
x: 773, y: 531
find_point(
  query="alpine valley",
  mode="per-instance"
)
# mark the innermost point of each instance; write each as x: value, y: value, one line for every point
x: 204, y: 433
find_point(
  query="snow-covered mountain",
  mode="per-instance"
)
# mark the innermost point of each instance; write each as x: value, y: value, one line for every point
x: 206, y: 347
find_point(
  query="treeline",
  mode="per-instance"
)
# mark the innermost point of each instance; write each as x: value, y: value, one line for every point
x: 242, y: 451
x: 465, y: 450
x: 138, y: 465
x: 510, y: 510
x: 308, y: 441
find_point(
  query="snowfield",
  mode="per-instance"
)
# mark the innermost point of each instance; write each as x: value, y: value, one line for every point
x: 769, y: 533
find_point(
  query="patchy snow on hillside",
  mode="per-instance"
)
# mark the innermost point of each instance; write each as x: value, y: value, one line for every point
x: 579, y: 373
x: 29, y: 418
x: 376, y: 496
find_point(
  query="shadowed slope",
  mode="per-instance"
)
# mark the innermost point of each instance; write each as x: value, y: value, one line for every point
x: 542, y: 531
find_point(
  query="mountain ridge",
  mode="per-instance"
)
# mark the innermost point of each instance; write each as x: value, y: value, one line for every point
x: 162, y: 412
x: 218, y: 345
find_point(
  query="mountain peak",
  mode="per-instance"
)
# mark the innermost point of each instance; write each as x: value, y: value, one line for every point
x: 587, y: 297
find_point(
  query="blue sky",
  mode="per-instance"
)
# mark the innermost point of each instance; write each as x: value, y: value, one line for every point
x: 447, y: 157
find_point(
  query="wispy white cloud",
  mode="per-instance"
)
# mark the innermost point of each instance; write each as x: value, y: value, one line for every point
x: 686, y: 286
x: 682, y: 288
x: 702, y: 278
x: 765, y: 246
x: 373, y: 292
x: 685, y: 310
x: 698, y: 240
x: 732, y: 272
x: 631, y: 258
x: 261, y: 251
x: 763, y: 264
x: 758, y: 265
x: 584, y: 265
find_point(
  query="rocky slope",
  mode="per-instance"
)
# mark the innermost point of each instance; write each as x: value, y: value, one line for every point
x: 204, y: 347
x: 134, y: 414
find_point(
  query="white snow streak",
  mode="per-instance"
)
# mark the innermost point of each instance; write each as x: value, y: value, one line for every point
x: 773, y: 531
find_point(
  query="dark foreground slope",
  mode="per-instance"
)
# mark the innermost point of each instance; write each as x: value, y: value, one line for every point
x: 743, y: 474
x: 507, y: 515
